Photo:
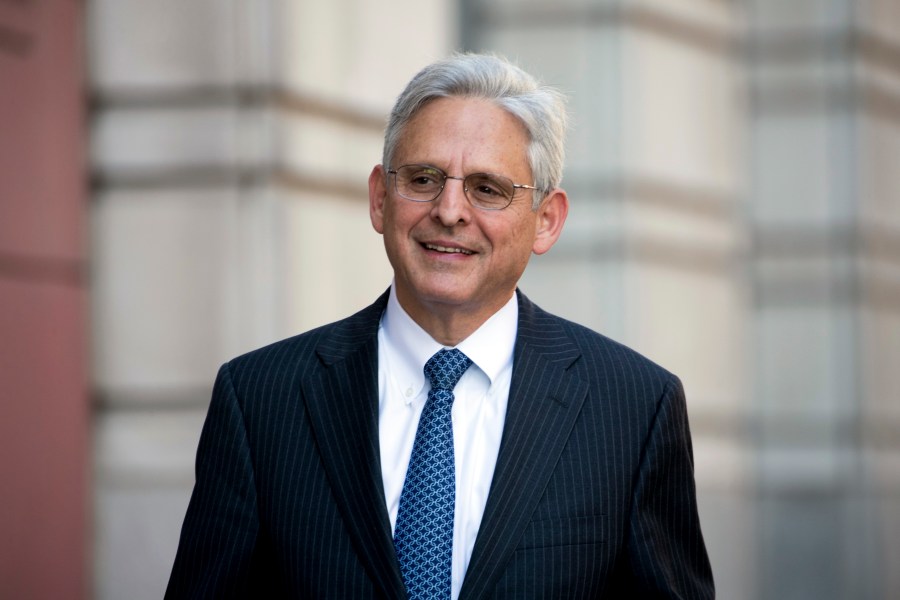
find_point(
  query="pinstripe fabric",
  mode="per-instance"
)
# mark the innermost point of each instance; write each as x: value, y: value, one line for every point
x: 593, y: 493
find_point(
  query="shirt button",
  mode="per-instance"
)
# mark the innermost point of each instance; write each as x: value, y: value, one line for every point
x: 409, y: 392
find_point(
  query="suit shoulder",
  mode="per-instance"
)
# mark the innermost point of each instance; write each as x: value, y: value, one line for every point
x: 295, y: 345
x: 328, y: 342
x: 597, y: 348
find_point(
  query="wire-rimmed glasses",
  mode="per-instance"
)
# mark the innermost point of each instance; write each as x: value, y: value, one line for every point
x: 424, y: 183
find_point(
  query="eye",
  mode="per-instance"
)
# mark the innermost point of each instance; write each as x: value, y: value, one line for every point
x: 489, y: 190
x: 421, y: 177
x: 486, y: 189
x: 424, y: 179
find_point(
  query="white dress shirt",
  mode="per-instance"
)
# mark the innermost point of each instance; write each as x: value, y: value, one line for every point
x: 479, y: 411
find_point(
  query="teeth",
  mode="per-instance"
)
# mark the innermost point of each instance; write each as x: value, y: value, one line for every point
x: 449, y: 250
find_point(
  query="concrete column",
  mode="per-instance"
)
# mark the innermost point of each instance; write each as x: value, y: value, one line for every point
x: 825, y: 121
x: 231, y: 144
x: 654, y: 248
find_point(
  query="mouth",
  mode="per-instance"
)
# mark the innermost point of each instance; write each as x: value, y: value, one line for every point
x: 447, y: 249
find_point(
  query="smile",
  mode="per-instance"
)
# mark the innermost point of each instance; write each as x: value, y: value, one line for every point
x: 437, y: 248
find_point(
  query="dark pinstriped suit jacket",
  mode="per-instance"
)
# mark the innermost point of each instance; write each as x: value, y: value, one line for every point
x: 593, y: 493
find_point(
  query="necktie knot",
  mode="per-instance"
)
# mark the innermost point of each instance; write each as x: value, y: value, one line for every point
x: 445, y: 368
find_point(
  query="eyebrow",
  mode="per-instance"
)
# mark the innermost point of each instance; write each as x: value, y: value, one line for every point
x: 446, y: 171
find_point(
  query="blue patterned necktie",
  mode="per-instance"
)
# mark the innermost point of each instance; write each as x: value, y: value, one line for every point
x: 423, y: 534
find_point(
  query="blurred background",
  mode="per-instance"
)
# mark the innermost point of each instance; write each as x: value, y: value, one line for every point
x: 183, y: 181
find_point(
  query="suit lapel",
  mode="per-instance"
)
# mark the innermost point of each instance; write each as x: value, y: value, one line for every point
x: 343, y: 408
x: 543, y: 404
x: 544, y: 401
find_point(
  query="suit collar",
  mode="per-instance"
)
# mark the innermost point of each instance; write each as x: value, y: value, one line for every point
x: 351, y: 334
x: 545, y: 398
x: 342, y: 401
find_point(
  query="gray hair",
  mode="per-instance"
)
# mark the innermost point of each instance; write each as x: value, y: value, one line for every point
x: 541, y: 109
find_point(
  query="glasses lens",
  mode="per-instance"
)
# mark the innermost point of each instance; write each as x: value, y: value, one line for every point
x: 421, y: 183
x: 489, y: 191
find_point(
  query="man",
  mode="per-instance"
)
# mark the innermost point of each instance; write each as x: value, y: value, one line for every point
x: 453, y: 439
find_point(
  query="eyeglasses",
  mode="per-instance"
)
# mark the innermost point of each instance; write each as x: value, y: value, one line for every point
x: 424, y: 183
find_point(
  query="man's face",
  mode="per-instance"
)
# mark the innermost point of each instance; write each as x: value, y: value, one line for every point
x: 449, y: 257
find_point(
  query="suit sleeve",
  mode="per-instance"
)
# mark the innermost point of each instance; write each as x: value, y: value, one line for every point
x: 666, y: 556
x: 219, y: 535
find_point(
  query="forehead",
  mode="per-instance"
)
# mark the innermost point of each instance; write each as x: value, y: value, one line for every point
x: 465, y: 133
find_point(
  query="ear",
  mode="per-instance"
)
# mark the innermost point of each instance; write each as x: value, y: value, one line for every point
x: 377, y: 195
x: 551, y: 216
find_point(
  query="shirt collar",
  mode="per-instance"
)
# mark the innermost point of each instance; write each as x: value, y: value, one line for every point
x: 490, y: 346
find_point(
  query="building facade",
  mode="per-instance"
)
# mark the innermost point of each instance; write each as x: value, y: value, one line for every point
x: 731, y: 167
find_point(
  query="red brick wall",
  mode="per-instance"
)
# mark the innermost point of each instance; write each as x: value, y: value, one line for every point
x: 44, y: 407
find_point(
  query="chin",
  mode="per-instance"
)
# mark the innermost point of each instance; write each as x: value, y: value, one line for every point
x: 443, y: 293
x: 445, y: 296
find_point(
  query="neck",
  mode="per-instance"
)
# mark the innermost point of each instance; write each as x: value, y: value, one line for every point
x: 448, y: 324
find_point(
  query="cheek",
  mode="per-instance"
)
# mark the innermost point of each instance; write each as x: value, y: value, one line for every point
x: 400, y: 222
x: 512, y: 234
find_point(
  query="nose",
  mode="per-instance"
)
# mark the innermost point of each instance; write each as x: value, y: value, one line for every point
x: 451, y: 206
